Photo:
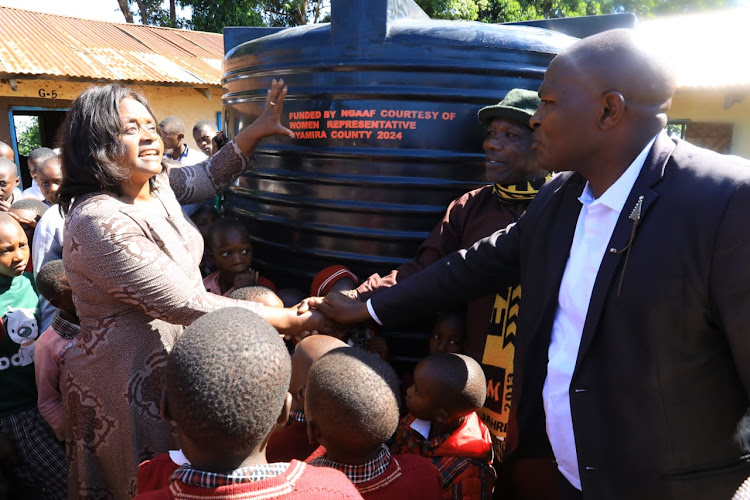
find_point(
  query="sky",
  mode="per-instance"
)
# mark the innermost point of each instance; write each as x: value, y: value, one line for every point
x: 101, y: 10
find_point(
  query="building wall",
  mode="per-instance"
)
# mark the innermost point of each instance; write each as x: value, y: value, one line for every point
x: 185, y: 102
x: 708, y: 106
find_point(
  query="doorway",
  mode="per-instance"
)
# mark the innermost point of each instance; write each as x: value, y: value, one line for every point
x: 31, y: 128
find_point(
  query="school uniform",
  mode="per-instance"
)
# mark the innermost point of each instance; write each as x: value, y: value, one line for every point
x: 295, y: 480
x: 463, y: 457
x: 387, y: 476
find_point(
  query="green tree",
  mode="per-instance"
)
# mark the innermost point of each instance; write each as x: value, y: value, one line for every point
x: 214, y: 15
x: 151, y: 12
x: 499, y: 11
x: 292, y: 12
x: 29, y: 138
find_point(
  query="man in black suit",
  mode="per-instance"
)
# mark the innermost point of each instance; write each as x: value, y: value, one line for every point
x: 633, y: 345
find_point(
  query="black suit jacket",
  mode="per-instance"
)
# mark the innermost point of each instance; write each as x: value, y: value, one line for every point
x: 660, y: 392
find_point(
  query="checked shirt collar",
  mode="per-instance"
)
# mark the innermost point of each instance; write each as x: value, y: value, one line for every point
x: 193, y: 477
x: 360, y: 473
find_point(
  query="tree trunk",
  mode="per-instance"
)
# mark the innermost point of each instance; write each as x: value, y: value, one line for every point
x: 302, y: 13
x: 143, y: 10
x: 125, y: 9
x: 317, y: 11
x: 172, y: 14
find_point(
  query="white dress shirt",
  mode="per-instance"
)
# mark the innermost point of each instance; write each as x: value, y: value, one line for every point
x: 594, y: 228
x: 47, y: 246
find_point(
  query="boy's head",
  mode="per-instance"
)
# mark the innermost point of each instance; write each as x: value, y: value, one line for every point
x: 27, y: 212
x: 203, y: 217
x: 333, y: 279
x: 203, y: 134
x: 6, y: 152
x: 259, y: 294
x: 448, y: 333
x: 351, y: 402
x: 307, y: 351
x: 446, y: 387
x: 37, y: 157
x: 227, y: 386
x: 14, y: 247
x: 52, y: 284
x: 49, y: 176
x: 8, y: 179
x: 173, y: 131
x: 230, y: 246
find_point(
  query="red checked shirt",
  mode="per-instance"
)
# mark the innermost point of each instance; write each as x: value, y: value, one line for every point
x: 463, y: 457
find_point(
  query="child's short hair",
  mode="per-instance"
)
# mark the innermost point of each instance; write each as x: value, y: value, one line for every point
x: 6, y: 164
x: 40, y: 155
x: 463, y: 384
x: 6, y: 218
x: 353, y: 397
x: 223, y: 224
x: 172, y: 125
x: 257, y: 294
x: 208, y: 206
x: 32, y: 205
x: 49, y: 280
x: 227, y: 379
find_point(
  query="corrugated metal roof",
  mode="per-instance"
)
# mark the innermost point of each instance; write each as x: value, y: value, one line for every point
x: 39, y: 44
x: 708, y: 50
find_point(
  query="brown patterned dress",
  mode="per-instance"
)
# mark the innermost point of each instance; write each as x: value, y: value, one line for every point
x: 136, y: 284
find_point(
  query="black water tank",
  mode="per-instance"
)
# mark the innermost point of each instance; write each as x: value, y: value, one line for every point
x: 384, y: 102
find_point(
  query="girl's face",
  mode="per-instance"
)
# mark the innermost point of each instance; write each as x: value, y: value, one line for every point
x: 232, y: 251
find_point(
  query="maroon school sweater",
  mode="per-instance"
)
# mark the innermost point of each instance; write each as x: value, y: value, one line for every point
x: 299, y: 482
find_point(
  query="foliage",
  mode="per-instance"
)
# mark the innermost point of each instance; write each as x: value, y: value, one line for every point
x: 29, y: 137
x: 499, y: 11
x: 151, y: 12
x: 214, y: 15
x: 292, y: 12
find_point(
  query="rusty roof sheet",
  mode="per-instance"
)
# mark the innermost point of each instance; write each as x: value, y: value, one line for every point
x: 39, y: 44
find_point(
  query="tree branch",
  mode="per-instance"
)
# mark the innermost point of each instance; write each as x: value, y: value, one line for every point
x: 125, y: 9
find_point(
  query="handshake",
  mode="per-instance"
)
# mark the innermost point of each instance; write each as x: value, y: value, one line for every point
x: 330, y: 315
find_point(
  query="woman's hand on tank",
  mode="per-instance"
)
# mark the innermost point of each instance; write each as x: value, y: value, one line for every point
x: 268, y: 123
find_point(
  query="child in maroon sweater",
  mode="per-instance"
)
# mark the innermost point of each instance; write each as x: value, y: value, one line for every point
x: 443, y: 425
x: 351, y: 403
x: 227, y: 381
x: 290, y: 441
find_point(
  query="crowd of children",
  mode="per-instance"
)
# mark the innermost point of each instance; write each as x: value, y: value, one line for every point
x: 324, y: 418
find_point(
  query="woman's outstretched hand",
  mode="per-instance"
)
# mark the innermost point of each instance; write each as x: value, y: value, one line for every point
x: 269, y: 121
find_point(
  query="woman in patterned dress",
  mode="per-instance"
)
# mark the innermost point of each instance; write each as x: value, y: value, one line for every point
x: 132, y: 260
